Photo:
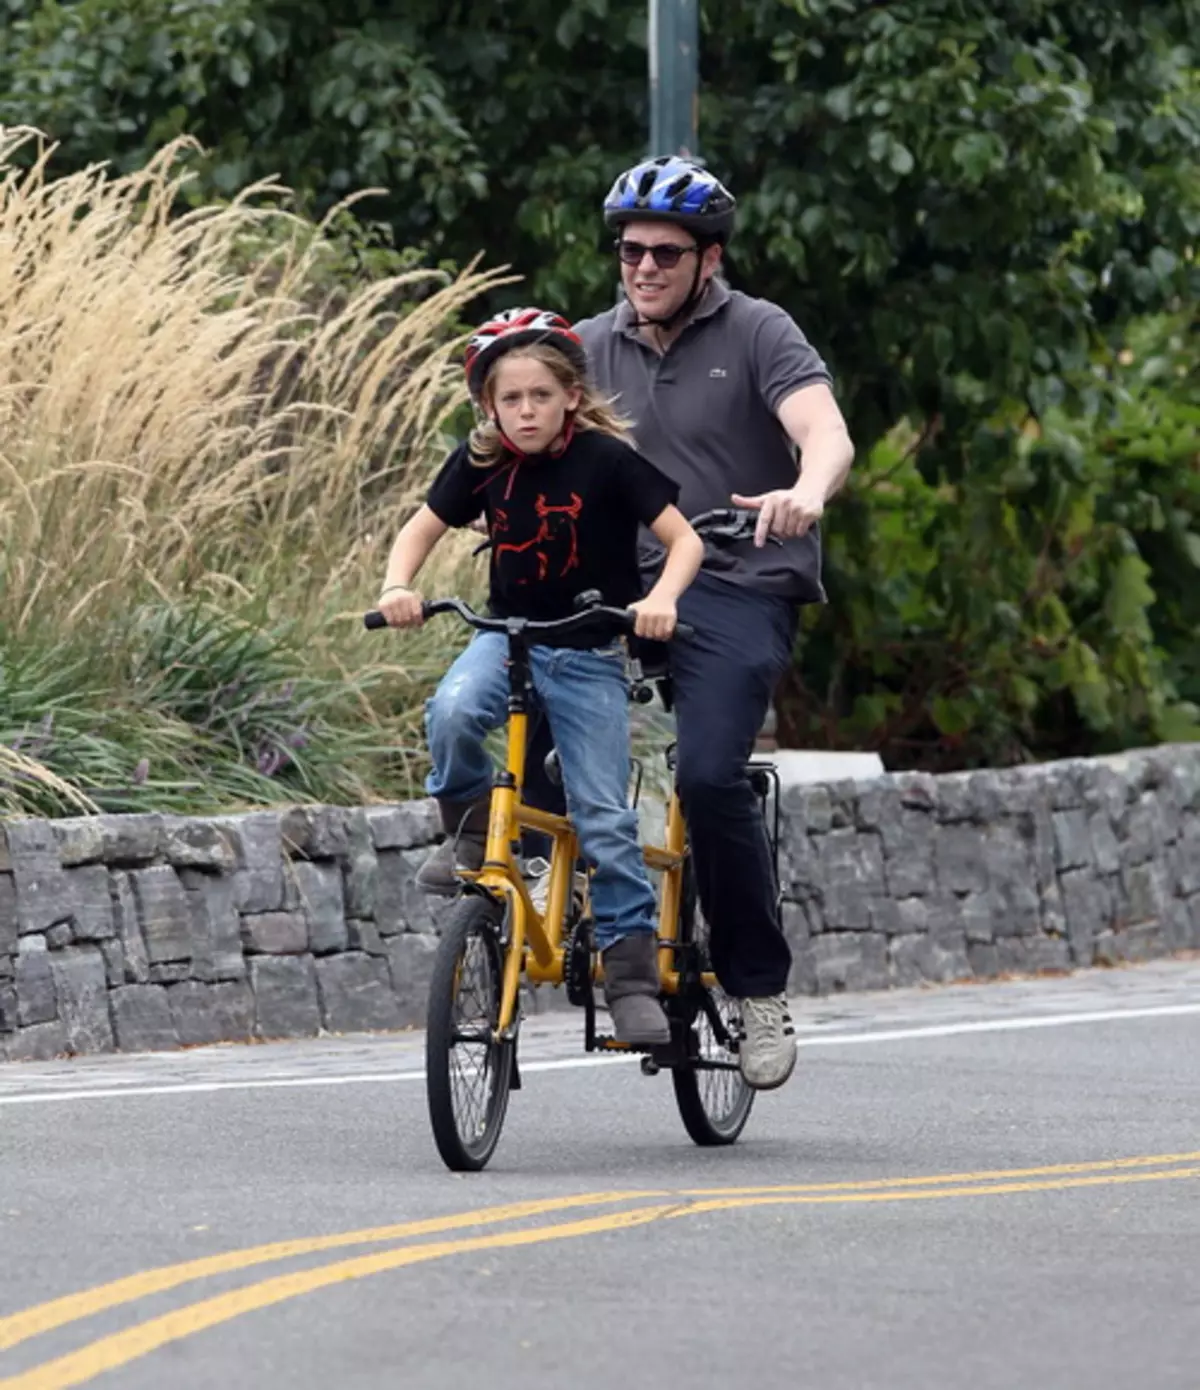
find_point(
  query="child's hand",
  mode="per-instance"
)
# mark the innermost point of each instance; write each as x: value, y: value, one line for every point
x: 656, y: 618
x: 401, y: 607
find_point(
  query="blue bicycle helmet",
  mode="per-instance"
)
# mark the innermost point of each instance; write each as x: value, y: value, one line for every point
x: 672, y: 189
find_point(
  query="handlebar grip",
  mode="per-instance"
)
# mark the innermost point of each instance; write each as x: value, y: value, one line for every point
x: 375, y: 619
x: 684, y: 631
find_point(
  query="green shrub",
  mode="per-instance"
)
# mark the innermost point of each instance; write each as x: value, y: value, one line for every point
x: 1042, y: 603
x: 211, y: 432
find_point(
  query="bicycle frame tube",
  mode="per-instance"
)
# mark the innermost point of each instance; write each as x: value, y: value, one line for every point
x: 506, y: 795
x: 548, y: 969
x: 670, y: 860
x: 500, y: 874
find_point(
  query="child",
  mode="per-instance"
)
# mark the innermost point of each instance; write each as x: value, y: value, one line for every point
x: 563, y: 493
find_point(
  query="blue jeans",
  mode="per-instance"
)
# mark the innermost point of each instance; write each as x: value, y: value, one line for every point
x: 585, y: 697
x: 723, y: 679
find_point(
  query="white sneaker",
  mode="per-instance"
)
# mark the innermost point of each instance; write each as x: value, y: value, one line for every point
x: 767, y: 1052
x: 537, y: 875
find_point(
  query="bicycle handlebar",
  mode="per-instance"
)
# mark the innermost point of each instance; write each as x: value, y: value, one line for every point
x: 720, y: 517
x: 622, y: 618
x: 728, y: 524
x: 718, y: 524
x: 721, y: 524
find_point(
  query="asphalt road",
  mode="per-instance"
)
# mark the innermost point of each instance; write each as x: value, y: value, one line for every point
x: 971, y: 1187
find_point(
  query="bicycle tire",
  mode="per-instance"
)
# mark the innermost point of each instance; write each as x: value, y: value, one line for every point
x: 714, y: 1105
x: 466, y: 1141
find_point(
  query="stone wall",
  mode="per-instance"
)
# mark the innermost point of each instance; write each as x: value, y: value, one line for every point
x: 140, y: 932
x: 912, y: 878
x: 143, y: 931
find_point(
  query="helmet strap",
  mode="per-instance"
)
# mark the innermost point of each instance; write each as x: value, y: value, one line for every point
x: 694, y: 296
x: 568, y: 433
x: 504, y: 439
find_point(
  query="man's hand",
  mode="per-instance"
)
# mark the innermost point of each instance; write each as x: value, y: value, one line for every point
x: 656, y: 618
x: 401, y: 607
x: 786, y: 512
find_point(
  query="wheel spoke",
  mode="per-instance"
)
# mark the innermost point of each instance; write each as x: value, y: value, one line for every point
x: 475, y: 1008
x: 720, y: 1083
x: 467, y: 1066
x: 714, y: 1100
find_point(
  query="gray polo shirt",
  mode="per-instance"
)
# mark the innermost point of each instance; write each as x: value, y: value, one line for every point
x: 704, y: 413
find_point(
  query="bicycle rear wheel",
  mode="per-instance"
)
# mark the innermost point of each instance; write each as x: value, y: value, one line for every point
x: 713, y: 1098
x: 468, y: 1071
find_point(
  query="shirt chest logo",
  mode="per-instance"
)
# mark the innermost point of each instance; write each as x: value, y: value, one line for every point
x: 717, y: 373
x: 550, y: 547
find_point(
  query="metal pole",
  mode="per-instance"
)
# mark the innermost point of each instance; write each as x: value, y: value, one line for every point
x: 674, y: 43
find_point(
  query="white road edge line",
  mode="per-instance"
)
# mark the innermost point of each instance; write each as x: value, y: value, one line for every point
x: 882, y: 1035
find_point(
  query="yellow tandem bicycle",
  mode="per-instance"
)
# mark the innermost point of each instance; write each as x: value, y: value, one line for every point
x: 492, y: 937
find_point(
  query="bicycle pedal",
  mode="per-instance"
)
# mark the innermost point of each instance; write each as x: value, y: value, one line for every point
x: 662, y: 1053
x: 665, y: 1057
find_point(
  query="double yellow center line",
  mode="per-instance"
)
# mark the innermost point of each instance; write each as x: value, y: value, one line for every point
x: 638, y: 1208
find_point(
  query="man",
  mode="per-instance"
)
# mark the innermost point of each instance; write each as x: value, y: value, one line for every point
x: 723, y: 389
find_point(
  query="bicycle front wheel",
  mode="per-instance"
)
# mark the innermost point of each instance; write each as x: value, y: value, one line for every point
x: 713, y: 1098
x: 468, y: 1070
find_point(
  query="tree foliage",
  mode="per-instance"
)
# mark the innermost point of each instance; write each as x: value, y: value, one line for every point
x: 954, y: 196
x: 1046, y: 605
x: 984, y: 212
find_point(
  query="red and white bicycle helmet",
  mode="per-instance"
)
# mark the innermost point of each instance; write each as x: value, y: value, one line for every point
x: 516, y: 328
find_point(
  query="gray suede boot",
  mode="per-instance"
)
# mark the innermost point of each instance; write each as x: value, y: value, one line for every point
x: 436, y: 875
x: 631, y: 990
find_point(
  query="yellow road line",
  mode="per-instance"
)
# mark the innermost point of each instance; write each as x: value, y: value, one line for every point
x: 18, y: 1327
x: 122, y: 1347
x: 31, y: 1322
x: 994, y: 1175
x: 118, y: 1349
x: 917, y: 1195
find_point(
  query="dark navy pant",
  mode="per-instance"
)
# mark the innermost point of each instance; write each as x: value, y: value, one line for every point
x: 723, y: 680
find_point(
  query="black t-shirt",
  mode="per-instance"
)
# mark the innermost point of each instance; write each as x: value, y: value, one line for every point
x: 558, y: 525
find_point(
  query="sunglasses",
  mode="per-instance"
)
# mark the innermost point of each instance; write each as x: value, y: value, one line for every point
x: 666, y: 256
